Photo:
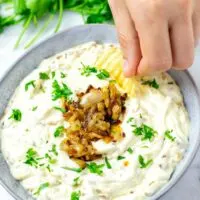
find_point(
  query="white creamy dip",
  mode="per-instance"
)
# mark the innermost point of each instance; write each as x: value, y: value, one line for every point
x: 139, y: 167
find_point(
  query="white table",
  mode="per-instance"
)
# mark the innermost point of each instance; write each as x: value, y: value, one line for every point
x: 188, y: 188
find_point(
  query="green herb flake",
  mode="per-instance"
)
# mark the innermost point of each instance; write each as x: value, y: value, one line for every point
x: 88, y: 70
x: 53, y: 150
x: 95, y: 168
x: 169, y: 136
x: 62, y: 75
x: 16, y: 115
x: 44, y: 76
x: 130, y: 150
x: 78, y: 170
x: 75, y: 195
x: 58, y: 132
x: 42, y: 187
x: 130, y: 120
x: 120, y: 157
x: 29, y: 84
x: 145, y: 131
x: 60, y: 92
x: 34, y: 108
x: 31, y: 158
x: 60, y: 109
x: 142, y: 162
x: 152, y: 83
x: 53, y: 74
x: 103, y: 74
x: 76, y: 181
x: 108, y: 163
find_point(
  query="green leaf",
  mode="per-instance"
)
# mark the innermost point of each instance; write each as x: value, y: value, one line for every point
x: 19, y: 6
x: 53, y: 74
x: 147, y: 132
x: 108, y: 163
x: 76, y: 181
x: 78, y: 170
x: 75, y: 195
x: 144, y: 164
x: 88, y: 70
x: 60, y: 109
x: 60, y: 92
x: 16, y: 115
x: 30, y: 83
x: 59, y: 131
x: 94, y: 168
x: 31, y: 158
x: 53, y: 150
x: 103, y: 74
x: 120, y: 157
x: 62, y: 75
x: 38, y: 7
x: 44, y: 76
x: 130, y: 150
x: 42, y: 187
x: 34, y: 108
x: 169, y: 136
x: 151, y: 83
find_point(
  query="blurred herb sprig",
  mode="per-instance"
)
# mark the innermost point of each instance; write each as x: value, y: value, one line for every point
x: 31, y: 11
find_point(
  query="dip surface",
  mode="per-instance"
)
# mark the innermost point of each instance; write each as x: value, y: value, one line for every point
x: 155, y: 129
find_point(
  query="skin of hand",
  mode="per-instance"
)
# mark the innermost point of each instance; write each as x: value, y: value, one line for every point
x: 156, y: 35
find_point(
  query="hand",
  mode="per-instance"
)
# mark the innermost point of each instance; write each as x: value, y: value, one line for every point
x: 156, y: 35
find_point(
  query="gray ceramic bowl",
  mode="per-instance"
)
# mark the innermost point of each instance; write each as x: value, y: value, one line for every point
x: 66, y: 40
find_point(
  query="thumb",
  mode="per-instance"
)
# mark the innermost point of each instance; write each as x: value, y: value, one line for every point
x: 128, y: 37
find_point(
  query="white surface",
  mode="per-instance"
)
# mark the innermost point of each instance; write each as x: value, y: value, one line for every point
x: 188, y: 188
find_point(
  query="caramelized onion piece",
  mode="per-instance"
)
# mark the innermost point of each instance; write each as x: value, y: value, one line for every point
x: 96, y: 115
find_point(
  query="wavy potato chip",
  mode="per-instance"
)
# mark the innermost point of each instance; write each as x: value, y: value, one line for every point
x: 112, y: 61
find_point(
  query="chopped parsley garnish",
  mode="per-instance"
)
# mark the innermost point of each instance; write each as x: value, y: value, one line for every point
x: 108, y: 163
x: 95, y: 168
x: 60, y: 91
x: 145, y: 131
x: 152, y: 83
x: 62, y: 75
x: 88, y: 70
x: 51, y: 161
x: 142, y: 162
x: 49, y: 168
x: 120, y: 157
x: 60, y: 109
x: 169, y: 136
x: 75, y: 195
x: 76, y: 181
x: 78, y: 170
x: 103, y: 74
x: 27, y: 85
x: 44, y: 76
x: 58, y: 132
x: 130, y: 120
x: 53, y: 150
x: 34, y: 108
x: 31, y: 157
x: 130, y: 150
x: 53, y: 74
x: 16, y: 115
x: 42, y: 187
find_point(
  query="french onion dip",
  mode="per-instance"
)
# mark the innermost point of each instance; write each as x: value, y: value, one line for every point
x: 72, y: 132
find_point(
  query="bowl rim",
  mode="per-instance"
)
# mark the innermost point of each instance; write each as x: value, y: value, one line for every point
x: 160, y: 193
